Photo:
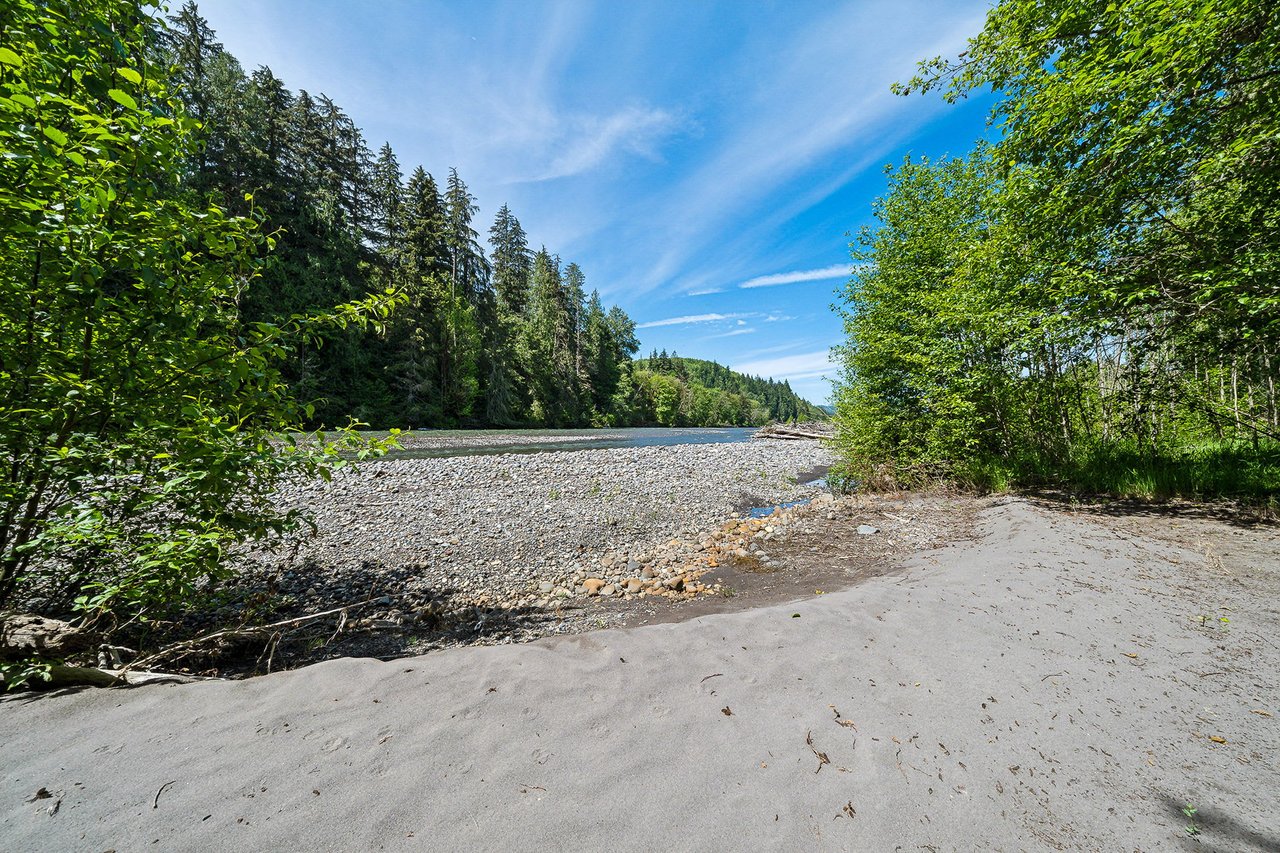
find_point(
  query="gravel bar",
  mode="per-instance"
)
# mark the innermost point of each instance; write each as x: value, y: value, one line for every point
x: 504, y: 523
x: 452, y: 542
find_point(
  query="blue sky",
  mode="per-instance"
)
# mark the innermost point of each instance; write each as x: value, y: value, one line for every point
x: 702, y: 162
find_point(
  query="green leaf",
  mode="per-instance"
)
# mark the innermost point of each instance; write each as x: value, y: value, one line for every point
x: 122, y: 98
x: 55, y: 134
x: 130, y: 75
x: 8, y: 57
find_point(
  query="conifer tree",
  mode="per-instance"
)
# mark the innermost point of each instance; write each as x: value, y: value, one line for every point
x: 507, y: 378
x: 511, y: 262
x: 553, y: 377
x: 575, y: 297
x: 387, y: 208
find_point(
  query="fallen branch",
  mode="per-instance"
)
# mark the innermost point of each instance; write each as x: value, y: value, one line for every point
x: 787, y: 432
x: 790, y: 433
x: 242, y: 632
x: 155, y: 804
x: 62, y: 675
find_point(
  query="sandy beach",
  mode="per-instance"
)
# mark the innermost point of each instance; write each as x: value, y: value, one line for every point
x: 1064, y: 681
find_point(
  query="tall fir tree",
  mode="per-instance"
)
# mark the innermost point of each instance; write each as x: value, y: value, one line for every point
x: 511, y: 262
x: 575, y: 284
x: 553, y: 379
x: 507, y: 395
x: 387, y: 204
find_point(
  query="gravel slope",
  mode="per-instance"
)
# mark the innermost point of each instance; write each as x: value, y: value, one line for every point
x: 496, y: 548
x: 504, y: 523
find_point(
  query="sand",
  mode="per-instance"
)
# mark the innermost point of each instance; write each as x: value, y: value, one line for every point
x: 1048, y: 686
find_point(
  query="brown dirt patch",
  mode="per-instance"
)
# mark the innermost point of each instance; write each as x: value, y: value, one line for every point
x: 823, y: 552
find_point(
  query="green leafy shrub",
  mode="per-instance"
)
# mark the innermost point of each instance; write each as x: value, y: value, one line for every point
x: 140, y: 416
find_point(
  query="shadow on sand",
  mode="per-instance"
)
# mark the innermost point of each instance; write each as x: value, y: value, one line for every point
x: 1227, y: 512
x: 1218, y: 831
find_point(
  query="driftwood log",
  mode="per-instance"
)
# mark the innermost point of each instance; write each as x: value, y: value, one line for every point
x: 62, y: 675
x: 25, y: 635
x: 807, y: 431
x: 35, y: 636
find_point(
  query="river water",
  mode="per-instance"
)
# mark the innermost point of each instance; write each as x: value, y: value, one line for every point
x: 431, y: 444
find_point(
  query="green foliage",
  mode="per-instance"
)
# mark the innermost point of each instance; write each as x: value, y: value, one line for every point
x: 15, y: 675
x: 713, y: 395
x: 1096, y: 292
x: 137, y: 407
x: 1192, y: 829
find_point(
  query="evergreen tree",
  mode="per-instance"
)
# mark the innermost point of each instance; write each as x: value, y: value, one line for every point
x: 600, y: 356
x: 511, y: 262
x: 192, y: 49
x: 416, y: 338
x: 468, y: 269
x: 387, y: 207
x: 506, y: 391
x: 575, y: 296
x: 548, y: 334
x: 269, y: 174
x: 469, y: 308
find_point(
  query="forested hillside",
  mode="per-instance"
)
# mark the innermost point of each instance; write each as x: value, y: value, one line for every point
x: 1094, y: 299
x: 509, y: 336
x: 695, y: 392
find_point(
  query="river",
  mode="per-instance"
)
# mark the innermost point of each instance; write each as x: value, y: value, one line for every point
x: 428, y: 444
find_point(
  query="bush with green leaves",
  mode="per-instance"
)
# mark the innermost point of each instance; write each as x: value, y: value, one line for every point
x: 1101, y: 284
x: 143, y: 424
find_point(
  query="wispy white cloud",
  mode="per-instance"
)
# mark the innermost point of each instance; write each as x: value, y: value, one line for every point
x: 809, y: 365
x: 817, y: 104
x: 746, y: 330
x: 837, y: 271
x: 755, y: 354
x: 690, y: 320
x: 707, y: 292
x: 591, y: 140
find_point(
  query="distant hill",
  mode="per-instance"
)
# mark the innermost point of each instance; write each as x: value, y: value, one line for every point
x: 696, y: 392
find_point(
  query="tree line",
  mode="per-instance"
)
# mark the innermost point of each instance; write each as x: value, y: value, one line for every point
x: 1093, y: 299
x: 505, y: 337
